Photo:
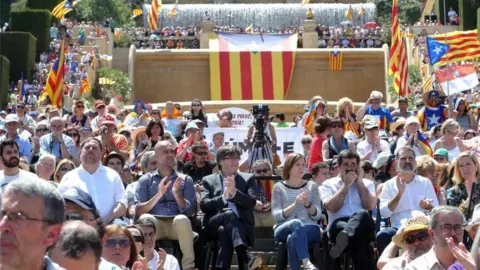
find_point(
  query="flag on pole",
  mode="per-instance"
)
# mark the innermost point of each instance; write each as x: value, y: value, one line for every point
x: 173, y: 11
x: 335, y: 60
x: 400, y: 79
x: 153, y: 14
x: 84, y: 84
x: 428, y: 84
x: 137, y: 12
x: 396, y: 39
x: 457, y: 78
x: 349, y: 13
x: 361, y: 11
x: 304, y: 2
x: 455, y: 46
x: 60, y: 10
x: 54, y: 87
x: 251, y: 66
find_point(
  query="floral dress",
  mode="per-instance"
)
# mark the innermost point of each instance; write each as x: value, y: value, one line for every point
x: 458, y: 196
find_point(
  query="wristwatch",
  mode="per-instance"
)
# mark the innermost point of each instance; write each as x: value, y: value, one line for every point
x: 308, y: 205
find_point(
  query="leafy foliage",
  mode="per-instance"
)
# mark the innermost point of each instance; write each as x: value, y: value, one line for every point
x: 409, y: 11
x: 120, y: 86
x: 125, y: 41
x: 414, y: 77
x: 43, y: 4
x: 99, y: 10
x: 19, y: 48
x: 19, y: 5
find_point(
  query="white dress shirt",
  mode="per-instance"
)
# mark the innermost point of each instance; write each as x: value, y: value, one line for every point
x: 419, y: 189
x: 104, y: 186
x: 427, y: 261
x: 352, y: 202
x: 171, y: 262
x: 364, y: 147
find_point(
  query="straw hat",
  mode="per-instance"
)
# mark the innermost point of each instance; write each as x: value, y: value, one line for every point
x: 432, y: 93
x: 400, y: 121
x: 418, y: 222
x: 137, y: 131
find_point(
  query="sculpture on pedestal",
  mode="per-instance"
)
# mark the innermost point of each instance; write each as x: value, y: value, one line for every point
x: 309, y: 14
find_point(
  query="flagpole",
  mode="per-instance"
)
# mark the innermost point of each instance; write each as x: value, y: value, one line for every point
x: 446, y: 43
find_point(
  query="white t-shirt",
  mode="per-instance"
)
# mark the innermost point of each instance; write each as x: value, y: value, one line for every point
x: 364, y: 147
x: 6, y: 179
x: 105, y: 265
x: 171, y: 262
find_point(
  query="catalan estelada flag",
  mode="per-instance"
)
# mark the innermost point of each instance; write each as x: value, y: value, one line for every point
x: 54, y: 87
x: 422, y: 142
x: 453, y: 47
x: 137, y: 12
x: 251, y: 66
x: 60, y: 10
x: 173, y: 11
x: 335, y: 60
x: 84, y: 84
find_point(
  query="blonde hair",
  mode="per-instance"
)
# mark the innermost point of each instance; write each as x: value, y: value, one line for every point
x: 342, y: 104
x: 289, y: 163
x: 449, y: 125
x: 59, y: 165
x: 457, y: 176
x: 424, y: 164
x: 314, y: 100
x: 376, y: 94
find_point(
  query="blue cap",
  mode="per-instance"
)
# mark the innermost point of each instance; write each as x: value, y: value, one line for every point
x: 79, y: 197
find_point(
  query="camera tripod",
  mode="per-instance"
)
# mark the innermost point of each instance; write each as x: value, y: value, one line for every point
x: 259, y: 150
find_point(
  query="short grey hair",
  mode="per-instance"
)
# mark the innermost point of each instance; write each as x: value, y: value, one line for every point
x: 77, y: 238
x: 261, y: 162
x: 443, y: 209
x: 376, y: 94
x: 42, y: 158
x: 53, y: 203
x: 43, y: 123
x: 146, y: 158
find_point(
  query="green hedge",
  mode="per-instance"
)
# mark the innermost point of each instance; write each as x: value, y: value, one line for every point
x: 19, y: 47
x: 4, y: 80
x: 42, y: 4
x: 467, y: 13
x: 37, y: 22
x: 4, y: 11
x: 439, y: 8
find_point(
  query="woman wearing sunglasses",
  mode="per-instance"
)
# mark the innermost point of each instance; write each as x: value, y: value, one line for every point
x: 139, y: 238
x: 74, y: 133
x: 64, y: 166
x: 119, y: 246
x: 79, y: 118
x: 336, y: 142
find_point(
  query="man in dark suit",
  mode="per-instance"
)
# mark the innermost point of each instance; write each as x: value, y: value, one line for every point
x: 228, y: 200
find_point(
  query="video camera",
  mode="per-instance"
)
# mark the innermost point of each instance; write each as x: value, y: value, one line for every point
x: 260, y: 115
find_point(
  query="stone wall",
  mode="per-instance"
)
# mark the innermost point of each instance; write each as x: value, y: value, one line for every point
x: 158, y: 76
x: 120, y: 59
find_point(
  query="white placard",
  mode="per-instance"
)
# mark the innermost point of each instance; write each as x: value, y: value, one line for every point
x: 288, y: 139
x: 241, y: 117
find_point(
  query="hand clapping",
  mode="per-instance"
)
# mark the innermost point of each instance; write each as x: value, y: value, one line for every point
x: 230, y: 185
x: 163, y: 186
x: 177, y: 186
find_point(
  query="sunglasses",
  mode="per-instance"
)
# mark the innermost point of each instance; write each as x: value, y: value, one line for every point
x: 201, y: 153
x: 155, y: 113
x: 111, y: 243
x: 138, y: 238
x: 262, y: 171
x: 120, y: 115
x: 100, y: 107
x: 306, y: 142
x: 20, y: 107
x: 411, y: 239
x: 374, y: 101
x: 196, y: 105
x: 72, y: 134
x: 65, y: 169
x: 80, y: 106
x: 111, y: 112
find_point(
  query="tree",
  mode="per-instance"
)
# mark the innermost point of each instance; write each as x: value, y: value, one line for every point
x: 119, y: 87
x: 99, y: 10
x: 409, y: 11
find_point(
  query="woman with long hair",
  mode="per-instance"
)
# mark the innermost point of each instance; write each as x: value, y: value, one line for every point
x: 64, y: 166
x: 450, y: 140
x: 345, y: 110
x: 463, y: 115
x: 154, y: 132
x: 197, y: 111
x: 119, y: 246
x: 465, y: 192
x: 296, y: 209
x: 79, y: 119
x: 317, y: 107
x: 427, y: 167
x: 336, y: 142
x: 74, y: 133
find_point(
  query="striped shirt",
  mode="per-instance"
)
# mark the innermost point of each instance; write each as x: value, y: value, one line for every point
x: 284, y: 196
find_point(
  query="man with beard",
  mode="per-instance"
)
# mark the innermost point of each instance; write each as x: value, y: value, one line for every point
x: 403, y: 194
x: 446, y: 231
x: 11, y: 159
x: 412, y: 237
x: 199, y: 166
x: 102, y: 183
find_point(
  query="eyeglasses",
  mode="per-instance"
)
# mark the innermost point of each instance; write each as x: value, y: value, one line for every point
x: 120, y: 115
x: 73, y: 134
x: 18, y: 216
x: 111, y: 243
x: 411, y: 239
x: 447, y: 228
x: 201, y: 153
x: 306, y: 142
x: 138, y: 238
x: 80, y: 106
x: 259, y: 171
x: 111, y: 112
x: 374, y: 101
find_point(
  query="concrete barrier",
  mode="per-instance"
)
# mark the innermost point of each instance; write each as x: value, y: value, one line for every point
x: 120, y: 59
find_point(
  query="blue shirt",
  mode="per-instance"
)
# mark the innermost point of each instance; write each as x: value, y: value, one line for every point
x: 167, y: 206
x: 51, y: 146
x: 24, y: 146
x: 381, y: 114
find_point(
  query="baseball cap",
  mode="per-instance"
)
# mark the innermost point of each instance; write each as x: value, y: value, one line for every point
x: 99, y: 103
x: 191, y: 125
x: 381, y: 160
x: 371, y: 124
x: 11, y: 118
x: 441, y: 152
x: 79, y: 197
x: 198, y: 121
x: 108, y: 119
x: 411, y: 120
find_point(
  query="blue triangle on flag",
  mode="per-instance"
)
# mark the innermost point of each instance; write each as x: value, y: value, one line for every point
x: 436, y: 49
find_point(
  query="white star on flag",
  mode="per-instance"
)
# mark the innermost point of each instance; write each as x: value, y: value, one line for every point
x: 437, y: 50
x: 433, y: 119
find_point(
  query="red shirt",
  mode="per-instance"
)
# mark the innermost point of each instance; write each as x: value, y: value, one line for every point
x: 315, y: 151
x: 184, y: 144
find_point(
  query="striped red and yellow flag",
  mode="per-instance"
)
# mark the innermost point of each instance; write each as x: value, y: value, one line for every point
x: 173, y: 11
x: 54, y: 87
x: 453, y: 47
x: 251, y: 66
x: 349, y: 13
x: 153, y: 14
x: 400, y: 80
x: 396, y: 39
x: 361, y: 11
x: 335, y: 61
x: 84, y: 84
x: 428, y: 84
x: 60, y: 10
x: 304, y: 2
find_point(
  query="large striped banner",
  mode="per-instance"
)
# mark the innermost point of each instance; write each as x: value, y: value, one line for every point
x: 251, y: 66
